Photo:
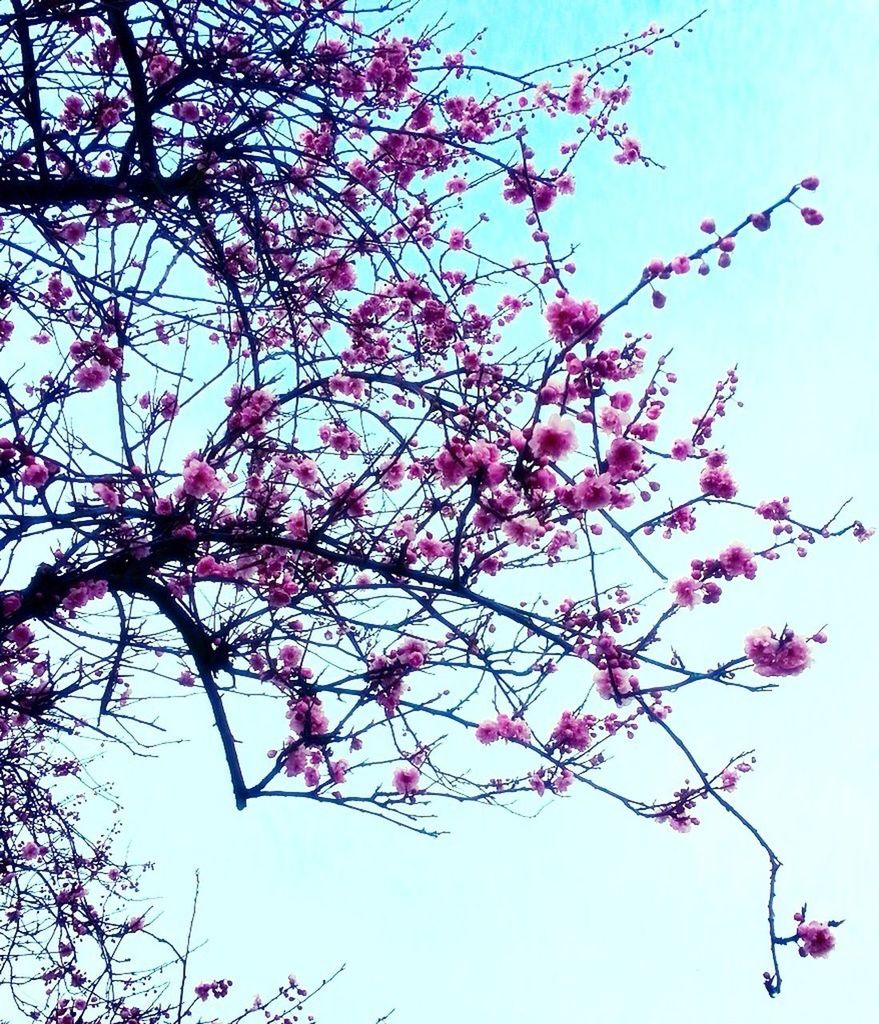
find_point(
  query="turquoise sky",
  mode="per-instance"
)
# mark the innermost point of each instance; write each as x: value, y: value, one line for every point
x: 587, y: 913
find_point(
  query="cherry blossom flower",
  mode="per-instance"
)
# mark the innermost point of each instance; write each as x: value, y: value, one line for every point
x: 35, y: 474
x: 406, y: 780
x: 816, y: 938
x: 787, y: 655
x: 554, y: 439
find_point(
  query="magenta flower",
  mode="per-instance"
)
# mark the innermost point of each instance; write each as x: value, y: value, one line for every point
x: 817, y: 939
x: 787, y: 656
x: 554, y: 439
x: 406, y: 780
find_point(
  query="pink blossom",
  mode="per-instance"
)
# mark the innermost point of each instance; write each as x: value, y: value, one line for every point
x: 817, y: 939
x: 187, y: 111
x: 487, y: 732
x: 774, y: 510
x: 737, y: 560
x: 623, y: 458
x: 513, y: 729
x: 571, y: 321
x: 523, y: 531
x: 554, y: 439
x: 307, y: 717
x: 630, y: 150
x: 613, y: 420
x: 717, y: 482
x: 200, y: 479
x: 406, y: 780
x: 108, y: 495
x: 34, y: 474
x: 73, y: 232
x: 687, y: 592
x: 591, y: 493
x: 573, y: 733
x: 615, y: 684
x: 91, y: 376
x: 787, y: 656
x: 681, y: 449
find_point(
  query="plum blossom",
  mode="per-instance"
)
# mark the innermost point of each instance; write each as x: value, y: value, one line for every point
x: 35, y: 474
x: 817, y: 939
x: 630, y: 150
x: 91, y: 376
x: 623, y: 458
x: 687, y: 592
x: 73, y: 232
x: 200, y: 479
x: 487, y: 732
x: 772, y: 656
x: 554, y: 439
x: 615, y: 684
x: 108, y: 495
x: 406, y: 780
x: 737, y: 560
x: 571, y: 321
x: 717, y: 482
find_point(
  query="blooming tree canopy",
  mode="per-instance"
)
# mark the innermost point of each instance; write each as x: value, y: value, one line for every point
x: 284, y: 423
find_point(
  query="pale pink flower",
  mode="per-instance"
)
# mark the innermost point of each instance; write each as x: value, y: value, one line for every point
x: 571, y: 321
x: 108, y: 495
x: 612, y: 420
x: 200, y: 479
x: 554, y: 439
x: 686, y: 592
x: 523, y: 531
x: 619, y: 684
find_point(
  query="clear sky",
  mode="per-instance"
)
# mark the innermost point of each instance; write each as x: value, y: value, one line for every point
x: 587, y: 913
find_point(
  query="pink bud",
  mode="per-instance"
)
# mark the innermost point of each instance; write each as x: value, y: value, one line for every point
x: 658, y: 300
x: 708, y: 226
x: 811, y: 216
x: 810, y: 183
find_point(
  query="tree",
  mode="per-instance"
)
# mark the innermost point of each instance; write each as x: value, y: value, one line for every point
x: 282, y: 412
